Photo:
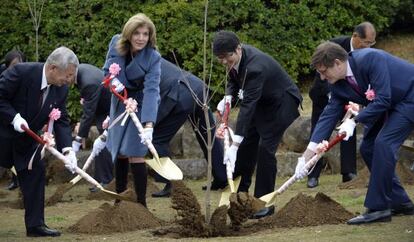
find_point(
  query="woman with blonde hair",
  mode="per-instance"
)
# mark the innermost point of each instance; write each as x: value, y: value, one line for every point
x: 135, y: 51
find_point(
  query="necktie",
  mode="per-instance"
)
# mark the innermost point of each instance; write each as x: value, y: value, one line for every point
x: 41, y: 97
x: 233, y: 74
x: 351, y: 80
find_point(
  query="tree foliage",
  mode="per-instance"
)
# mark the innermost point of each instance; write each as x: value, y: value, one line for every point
x: 287, y: 30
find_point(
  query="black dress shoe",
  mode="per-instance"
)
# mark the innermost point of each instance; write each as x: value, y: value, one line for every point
x: 41, y: 231
x: 165, y: 192
x: 312, y: 182
x: 403, y: 209
x: 263, y: 212
x: 13, y: 185
x: 215, y: 186
x: 372, y: 217
x: 346, y: 177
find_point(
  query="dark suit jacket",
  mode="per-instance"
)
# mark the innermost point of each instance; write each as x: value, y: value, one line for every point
x: 171, y: 78
x: 264, y: 82
x: 392, y: 80
x: 96, y: 98
x: 20, y: 93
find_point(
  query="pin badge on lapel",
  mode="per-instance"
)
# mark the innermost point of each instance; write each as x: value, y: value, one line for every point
x: 241, y: 94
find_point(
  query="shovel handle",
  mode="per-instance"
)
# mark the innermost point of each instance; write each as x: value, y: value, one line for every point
x: 311, y: 163
x: 60, y: 156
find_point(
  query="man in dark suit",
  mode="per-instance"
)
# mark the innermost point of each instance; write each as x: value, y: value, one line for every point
x: 363, y: 37
x: 269, y: 102
x: 10, y: 59
x: 96, y: 102
x: 387, y: 117
x: 28, y: 93
x: 178, y: 104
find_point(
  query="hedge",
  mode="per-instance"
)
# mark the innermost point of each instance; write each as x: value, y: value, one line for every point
x: 287, y: 30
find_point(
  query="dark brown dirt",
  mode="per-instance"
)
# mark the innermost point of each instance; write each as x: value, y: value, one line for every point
x: 122, y: 217
x: 218, y: 221
x: 242, y: 206
x: 188, y: 211
x: 58, y: 195
x: 129, y: 193
x: 361, y: 181
x: 303, y: 211
x: 300, y: 211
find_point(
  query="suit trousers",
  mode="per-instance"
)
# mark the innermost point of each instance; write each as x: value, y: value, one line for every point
x: 187, y: 109
x: 32, y: 184
x: 379, y: 149
x: 103, y: 162
x: 259, y: 147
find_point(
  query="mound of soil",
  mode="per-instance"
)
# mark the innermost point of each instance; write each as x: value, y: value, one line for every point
x: 129, y: 193
x: 242, y: 206
x: 122, y: 217
x: 16, y: 204
x: 188, y: 211
x: 303, y: 211
x: 192, y: 223
x: 361, y: 181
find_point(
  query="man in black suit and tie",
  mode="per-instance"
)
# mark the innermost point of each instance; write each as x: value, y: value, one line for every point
x: 363, y: 37
x: 28, y: 93
x: 269, y: 102
x: 96, y: 102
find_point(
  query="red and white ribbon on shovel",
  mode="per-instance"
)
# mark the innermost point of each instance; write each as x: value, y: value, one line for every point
x: 130, y: 109
x: 61, y: 157
x: 47, y: 136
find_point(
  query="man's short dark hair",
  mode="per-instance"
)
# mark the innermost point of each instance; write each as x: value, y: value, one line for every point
x: 225, y: 42
x: 326, y: 54
x: 13, y: 54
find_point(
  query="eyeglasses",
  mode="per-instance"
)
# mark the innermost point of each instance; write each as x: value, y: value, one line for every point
x: 322, y: 71
x: 225, y: 56
x: 368, y: 43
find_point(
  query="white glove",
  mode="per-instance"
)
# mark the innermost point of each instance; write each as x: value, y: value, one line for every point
x: 347, y: 127
x: 105, y: 123
x: 230, y: 157
x: 146, y: 135
x: 300, y: 171
x: 119, y: 87
x: 71, y: 162
x: 17, y: 122
x: 98, y: 145
x: 221, y: 104
x: 76, y: 144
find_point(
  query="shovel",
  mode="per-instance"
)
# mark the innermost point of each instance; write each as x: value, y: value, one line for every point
x: 166, y: 168
x: 270, y: 198
x: 225, y: 195
x: 80, y: 172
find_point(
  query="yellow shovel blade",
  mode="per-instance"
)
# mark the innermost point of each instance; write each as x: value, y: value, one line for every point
x: 13, y: 170
x: 225, y: 194
x: 166, y: 168
x: 114, y: 194
x: 269, y: 198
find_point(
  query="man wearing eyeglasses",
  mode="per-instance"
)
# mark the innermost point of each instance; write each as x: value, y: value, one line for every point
x: 388, y: 119
x: 363, y: 37
x: 268, y: 100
